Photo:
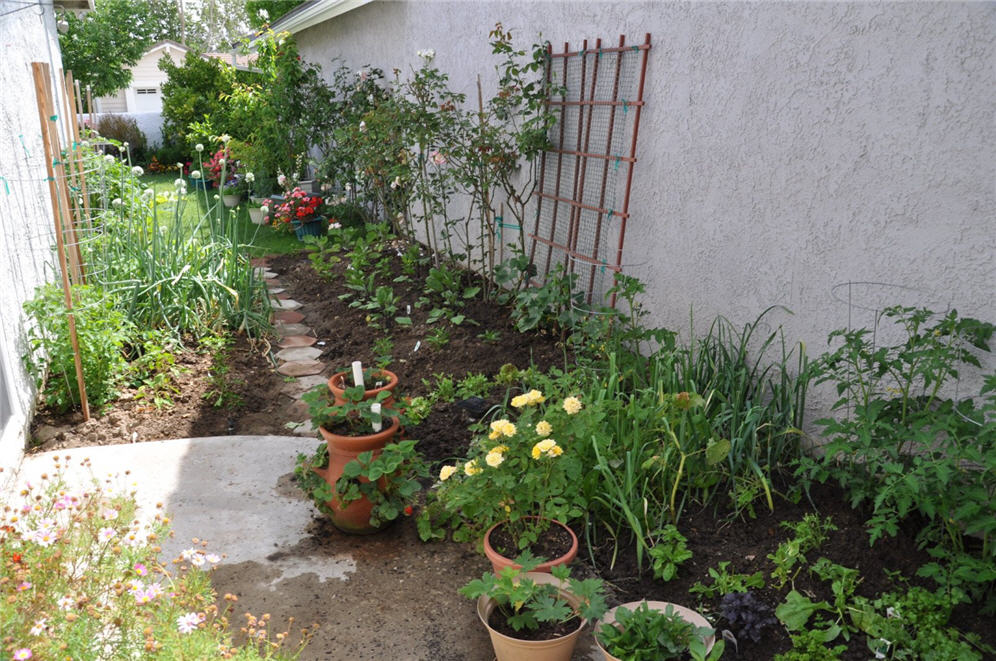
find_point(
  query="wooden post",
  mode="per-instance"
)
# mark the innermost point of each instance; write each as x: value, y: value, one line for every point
x: 76, y: 219
x: 40, y: 71
x: 72, y: 88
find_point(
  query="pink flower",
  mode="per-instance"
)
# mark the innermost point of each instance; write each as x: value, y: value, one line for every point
x: 25, y: 585
x: 437, y: 158
x: 140, y: 569
x: 21, y: 654
x: 187, y: 623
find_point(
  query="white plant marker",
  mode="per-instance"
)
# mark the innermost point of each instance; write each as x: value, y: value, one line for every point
x: 375, y: 409
x: 358, y: 374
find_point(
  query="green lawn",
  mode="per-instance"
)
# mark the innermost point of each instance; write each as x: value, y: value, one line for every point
x: 263, y: 239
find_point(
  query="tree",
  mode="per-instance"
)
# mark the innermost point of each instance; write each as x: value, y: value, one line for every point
x: 193, y: 93
x: 101, y: 46
x: 273, y: 9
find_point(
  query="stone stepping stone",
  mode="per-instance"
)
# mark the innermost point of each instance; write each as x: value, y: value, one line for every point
x: 290, y: 341
x: 276, y: 290
x: 297, y: 354
x: 285, y: 304
x: 275, y: 282
x: 265, y: 273
x: 298, y: 387
x: 288, y: 316
x: 301, y: 368
x: 285, y: 329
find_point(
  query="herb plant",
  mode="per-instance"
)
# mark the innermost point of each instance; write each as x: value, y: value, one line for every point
x: 747, y: 615
x: 724, y: 582
x: 647, y: 634
x: 668, y: 552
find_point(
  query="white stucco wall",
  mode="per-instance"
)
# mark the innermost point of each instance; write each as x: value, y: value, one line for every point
x: 786, y: 148
x: 25, y: 211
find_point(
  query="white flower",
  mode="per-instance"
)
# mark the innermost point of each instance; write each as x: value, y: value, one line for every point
x: 179, y: 183
x: 116, y: 202
x: 196, y: 174
x: 187, y: 623
x: 281, y: 180
x: 124, y: 144
x: 188, y: 554
x: 196, y: 560
x: 65, y: 603
x: 137, y: 171
x: 225, y: 138
x: 427, y: 54
x: 213, y: 558
x: 265, y: 209
x: 109, y: 158
x: 38, y: 628
x: 198, y: 147
x: 221, y: 161
x: 363, y: 126
x: 180, y: 166
x: 349, y: 187
x: 250, y: 177
x: 263, y: 15
x: 335, y: 226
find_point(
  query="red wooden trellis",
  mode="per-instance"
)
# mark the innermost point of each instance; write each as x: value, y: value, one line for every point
x: 607, y: 110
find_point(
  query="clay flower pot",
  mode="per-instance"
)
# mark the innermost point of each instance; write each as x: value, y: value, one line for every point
x: 337, y: 384
x: 355, y: 517
x: 513, y: 649
x: 687, y: 614
x: 498, y: 561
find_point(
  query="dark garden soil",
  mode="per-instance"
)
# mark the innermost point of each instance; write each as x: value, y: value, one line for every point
x: 262, y: 408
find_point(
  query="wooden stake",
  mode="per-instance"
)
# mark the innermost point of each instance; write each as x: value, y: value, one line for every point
x: 75, y: 220
x: 40, y: 71
x: 73, y: 89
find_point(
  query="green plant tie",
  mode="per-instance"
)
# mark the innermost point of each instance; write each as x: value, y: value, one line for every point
x: 24, y: 146
x: 599, y: 53
x: 56, y: 162
x: 6, y: 187
x: 611, y: 213
x: 54, y: 117
x: 617, y: 162
x: 625, y: 105
x: 604, y: 264
x: 635, y: 48
x: 583, y: 52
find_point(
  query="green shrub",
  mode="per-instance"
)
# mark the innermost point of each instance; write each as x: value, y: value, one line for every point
x: 124, y: 130
x: 102, y: 331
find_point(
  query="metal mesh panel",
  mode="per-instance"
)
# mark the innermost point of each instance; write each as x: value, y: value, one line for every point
x: 585, y: 177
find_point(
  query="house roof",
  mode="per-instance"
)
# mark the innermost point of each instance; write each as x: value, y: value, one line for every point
x: 240, y: 61
x: 313, y: 12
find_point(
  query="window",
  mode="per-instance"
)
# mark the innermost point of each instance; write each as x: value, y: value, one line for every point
x: 146, y: 90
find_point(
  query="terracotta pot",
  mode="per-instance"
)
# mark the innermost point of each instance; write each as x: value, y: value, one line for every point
x: 355, y: 517
x: 498, y: 561
x: 514, y: 649
x: 231, y: 201
x: 337, y: 384
x: 687, y: 614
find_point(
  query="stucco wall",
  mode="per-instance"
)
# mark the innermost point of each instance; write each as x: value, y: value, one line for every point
x: 25, y: 210
x: 786, y: 148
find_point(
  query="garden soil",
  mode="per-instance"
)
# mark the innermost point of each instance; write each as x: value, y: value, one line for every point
x: 398, y: 578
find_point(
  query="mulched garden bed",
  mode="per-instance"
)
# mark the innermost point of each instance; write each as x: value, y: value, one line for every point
x: 745, y: 543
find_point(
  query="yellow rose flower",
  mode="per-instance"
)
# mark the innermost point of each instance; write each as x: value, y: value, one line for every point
x: 471, y: 467
x: 508, y: 429
x: 446, y: 472
x: 544, y: 428
x: 534, y: 397
x: 501, y: 428
x: 494, y: 459
x: 572, y: 405
x: 499, y: 449
x: 547, y: 447
x: 519, y: 401
x: 494, y: 435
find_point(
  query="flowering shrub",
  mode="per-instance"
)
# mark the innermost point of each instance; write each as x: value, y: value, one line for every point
x: 221, y: 167
x: 517, y: 471
x: 297, y: 207
x: 80, y: 578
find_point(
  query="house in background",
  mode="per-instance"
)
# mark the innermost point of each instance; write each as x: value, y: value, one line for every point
x: 143, y: 98
x: 144, y: 94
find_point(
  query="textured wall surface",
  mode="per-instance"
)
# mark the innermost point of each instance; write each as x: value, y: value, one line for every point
x: 786, y: 148
x: 25, y: 210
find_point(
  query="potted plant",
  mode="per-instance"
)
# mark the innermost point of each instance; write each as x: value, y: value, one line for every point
x: 656, y: 631
x: 517, y: 485
x: 232, y: 189
x: 389, y: 481
x: 257, y: 211
x: 373, y: 380
x: 299, y: 211
x: 535, y: 616
x: 350, y: 429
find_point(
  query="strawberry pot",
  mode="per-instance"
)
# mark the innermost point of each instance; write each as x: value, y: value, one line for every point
x: 499, y: 561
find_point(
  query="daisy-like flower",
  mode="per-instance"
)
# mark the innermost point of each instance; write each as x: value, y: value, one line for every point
x: 65, y: 602
x: 38, y: 628
x: 106, y: 534
x: 572, y: 405
x: 494, y: 459
x: 213, y: 558
x: 446, y: 472
x: 187, y: 554
x: 135, y: 586
x: 471, y: 467
x: 22, y: 654
x: 143, y: 597
x: 23, y: 585
x: 44, y: 536
x: 187, y: 623
x: 547, y: 448
x: 196, y: 560
x: 155, y: 590
x: 140, y: 569
x: 544, y: 428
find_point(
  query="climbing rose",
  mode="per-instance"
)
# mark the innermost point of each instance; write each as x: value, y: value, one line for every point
x: 544, y: 428
x: 548, y: 448
x: 446, y: 472
x: 572, y: 405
